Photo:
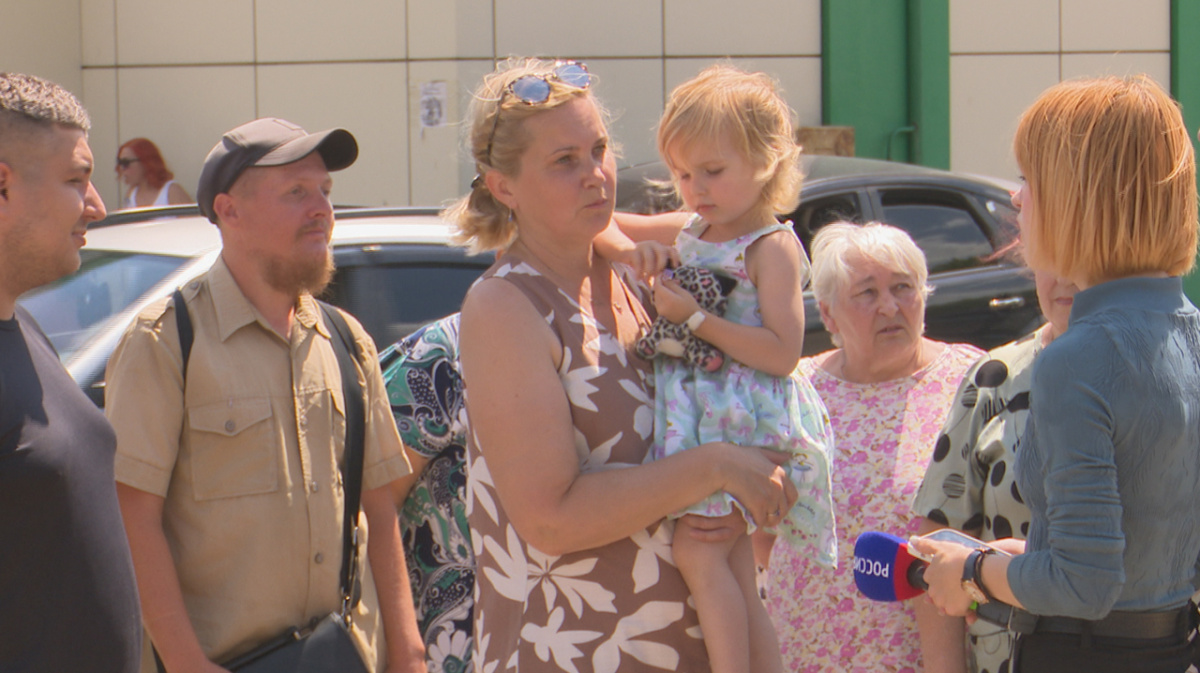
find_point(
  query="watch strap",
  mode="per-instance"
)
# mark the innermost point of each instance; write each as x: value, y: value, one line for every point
x: 971, y: 576
x: 695, y: 320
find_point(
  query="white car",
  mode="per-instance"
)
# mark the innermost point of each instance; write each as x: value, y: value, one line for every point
x: 397, y: 270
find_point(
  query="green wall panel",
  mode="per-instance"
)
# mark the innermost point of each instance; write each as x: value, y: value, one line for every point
x: 886, y: 72
x: 1185, y: 85
x: 929, y: 80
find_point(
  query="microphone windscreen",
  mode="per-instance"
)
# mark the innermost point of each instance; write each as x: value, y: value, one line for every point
x: 881, y: 565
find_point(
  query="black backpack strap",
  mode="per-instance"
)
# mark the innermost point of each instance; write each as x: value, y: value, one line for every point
x: 343, y: 345
x: 183, y: 321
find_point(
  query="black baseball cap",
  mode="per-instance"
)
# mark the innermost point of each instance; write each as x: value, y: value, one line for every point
x: 268, y: 142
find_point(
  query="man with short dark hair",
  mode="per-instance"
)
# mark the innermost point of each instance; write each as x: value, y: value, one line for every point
x: 68, y: 601
x: 229, y: 468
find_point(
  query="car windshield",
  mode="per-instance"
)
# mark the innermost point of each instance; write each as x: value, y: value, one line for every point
x: 77, y: 306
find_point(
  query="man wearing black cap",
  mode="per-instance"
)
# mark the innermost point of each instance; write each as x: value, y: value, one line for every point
x: 228, y: 468
x: 68, y: 601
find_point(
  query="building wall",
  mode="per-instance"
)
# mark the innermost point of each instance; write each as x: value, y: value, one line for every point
x: 42, y: 37
x: 181, y: 72
x: 1003, y: 54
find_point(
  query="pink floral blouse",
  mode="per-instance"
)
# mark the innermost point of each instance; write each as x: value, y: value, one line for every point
x: 884, y: 436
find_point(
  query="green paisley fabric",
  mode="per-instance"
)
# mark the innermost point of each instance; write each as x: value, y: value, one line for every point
x: 426, y: 393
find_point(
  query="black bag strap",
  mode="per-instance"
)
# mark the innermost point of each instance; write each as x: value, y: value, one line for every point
x: 183, y: 321
x: 344, y: 344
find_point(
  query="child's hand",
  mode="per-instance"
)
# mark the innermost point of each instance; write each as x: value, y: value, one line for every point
x: 672, y: 301
x: 649, y: 258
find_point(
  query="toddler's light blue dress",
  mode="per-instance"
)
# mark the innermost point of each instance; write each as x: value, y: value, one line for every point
x: 741, y: 405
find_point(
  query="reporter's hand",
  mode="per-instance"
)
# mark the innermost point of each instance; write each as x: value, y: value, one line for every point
x: 944, y: 575
x: 1009, y: 544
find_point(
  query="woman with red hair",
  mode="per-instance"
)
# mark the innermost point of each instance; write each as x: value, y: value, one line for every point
x: 140, y: 166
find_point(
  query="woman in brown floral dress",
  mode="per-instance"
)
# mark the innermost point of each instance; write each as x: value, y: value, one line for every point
x: 575, y: 571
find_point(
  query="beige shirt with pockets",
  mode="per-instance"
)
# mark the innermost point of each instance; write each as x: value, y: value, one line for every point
x: 248, y: 461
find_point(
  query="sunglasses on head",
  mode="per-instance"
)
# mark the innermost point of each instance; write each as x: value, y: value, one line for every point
x: 126, y: 163
x: 535, y: 90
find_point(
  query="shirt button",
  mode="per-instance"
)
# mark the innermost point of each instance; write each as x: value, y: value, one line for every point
x: 314, y: 487
x: 319, y: 557
x: 230, y: 426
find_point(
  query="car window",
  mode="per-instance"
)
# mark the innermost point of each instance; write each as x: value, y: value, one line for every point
x: 73, y: 307
x: 1007, y: 231
x: 416, y: 294
x: 941, y: 223
x: 818, y: 212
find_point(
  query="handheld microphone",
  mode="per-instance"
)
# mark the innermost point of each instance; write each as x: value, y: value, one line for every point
x: 884, y: 570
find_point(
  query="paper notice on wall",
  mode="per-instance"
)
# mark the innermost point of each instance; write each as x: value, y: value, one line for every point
x: 433, y: 104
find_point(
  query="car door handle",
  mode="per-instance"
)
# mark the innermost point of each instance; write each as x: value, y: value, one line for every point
x: 1006, y: 304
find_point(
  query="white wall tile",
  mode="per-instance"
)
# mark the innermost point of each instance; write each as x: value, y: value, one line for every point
x: 800, y: 78
x: 632, y: 89
x: 178, y: 32
x: 184, y: 110
x: 42, y: 38
x: 99, y: 27
x: 987, y: 96
x: 368, y: 99
x: 1009, y: 26
x: 578, y: 27
x: 100, y: 98
x: 1157, y: 65
x: 1112, y: 25
x: 440, y: 169
x: 450, y: 29
x: 719, y: 27
x: 320, y: 30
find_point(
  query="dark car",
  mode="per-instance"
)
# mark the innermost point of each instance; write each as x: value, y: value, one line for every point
x: 396, y: 270
x: 965, y: 224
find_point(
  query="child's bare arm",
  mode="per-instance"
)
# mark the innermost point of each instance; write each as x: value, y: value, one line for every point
x: 663, y: 228
x: 645, y: 243
x: 774, y: 263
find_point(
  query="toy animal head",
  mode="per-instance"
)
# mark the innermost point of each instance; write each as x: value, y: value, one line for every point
x: 667, y: 338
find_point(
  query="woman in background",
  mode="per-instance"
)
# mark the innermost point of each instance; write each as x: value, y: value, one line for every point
x: 970, y: 484
x: 141, y: 167
x: 887, y: 388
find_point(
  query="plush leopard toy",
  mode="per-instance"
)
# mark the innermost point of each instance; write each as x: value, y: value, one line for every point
x: 667, y: 338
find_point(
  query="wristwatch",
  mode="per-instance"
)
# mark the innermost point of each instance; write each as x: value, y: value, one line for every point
x: 972, y: 581
x: 695, y: 320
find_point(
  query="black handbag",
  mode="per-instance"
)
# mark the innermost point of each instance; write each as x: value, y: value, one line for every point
x: 327, y: 646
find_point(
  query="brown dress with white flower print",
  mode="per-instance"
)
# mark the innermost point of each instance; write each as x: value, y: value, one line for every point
x: 621, y: 607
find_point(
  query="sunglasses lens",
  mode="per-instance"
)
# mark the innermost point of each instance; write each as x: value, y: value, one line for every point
x: 574, y: 74
x: 531, y: 89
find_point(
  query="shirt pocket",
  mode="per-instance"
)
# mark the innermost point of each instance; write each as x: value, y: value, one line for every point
x: 233, y: 449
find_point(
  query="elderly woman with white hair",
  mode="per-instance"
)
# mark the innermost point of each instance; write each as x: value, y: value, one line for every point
x: 888, y: 389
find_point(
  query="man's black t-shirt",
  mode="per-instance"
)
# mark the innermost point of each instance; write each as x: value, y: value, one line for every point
x: 68, y: 599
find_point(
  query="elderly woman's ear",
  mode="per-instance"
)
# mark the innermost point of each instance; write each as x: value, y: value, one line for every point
x: 827, y: 318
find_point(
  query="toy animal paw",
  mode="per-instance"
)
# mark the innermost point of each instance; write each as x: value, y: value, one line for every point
x: 667, y: 338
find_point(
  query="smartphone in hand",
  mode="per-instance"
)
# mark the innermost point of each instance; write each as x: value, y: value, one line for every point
x: 949, y: 535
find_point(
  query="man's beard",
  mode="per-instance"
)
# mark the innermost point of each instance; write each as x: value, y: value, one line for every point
x: 295, y: 277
